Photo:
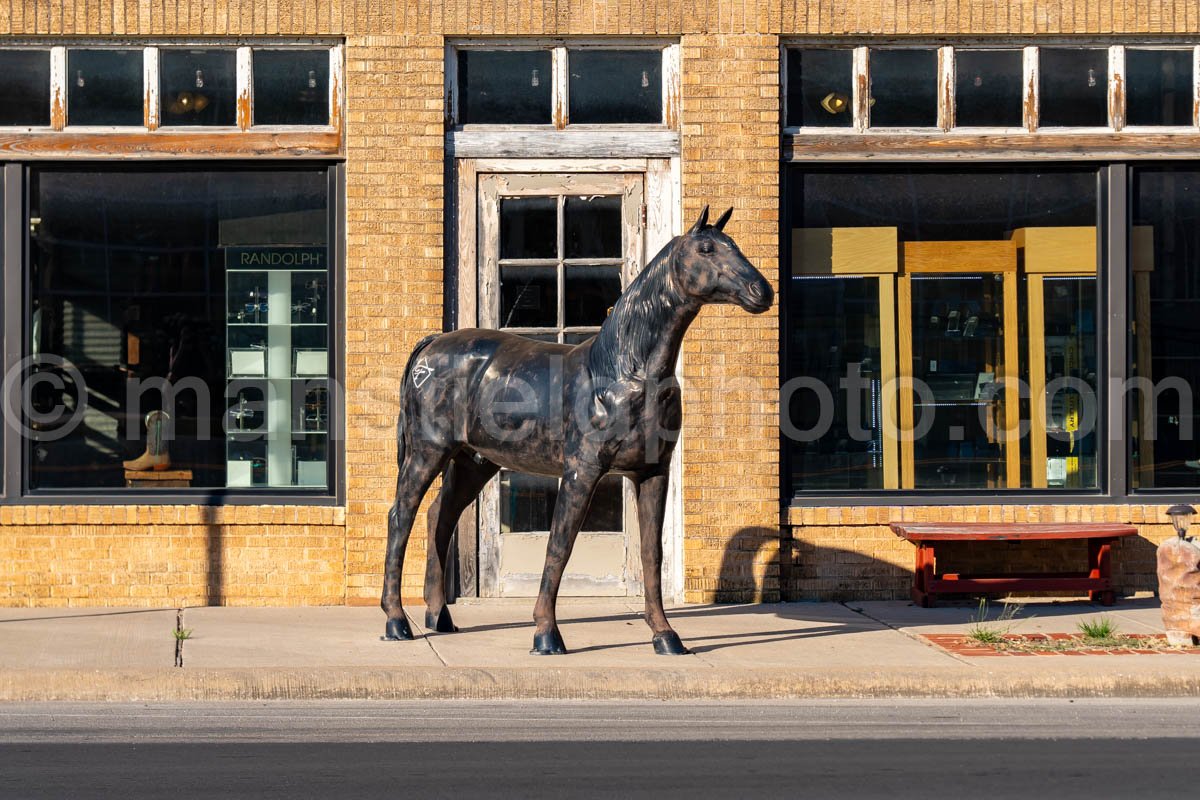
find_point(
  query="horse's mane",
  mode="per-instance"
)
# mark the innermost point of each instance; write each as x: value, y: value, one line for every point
x: 635, y: 324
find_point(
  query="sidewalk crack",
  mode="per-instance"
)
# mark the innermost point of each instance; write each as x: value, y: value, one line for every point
x: 920, y: 639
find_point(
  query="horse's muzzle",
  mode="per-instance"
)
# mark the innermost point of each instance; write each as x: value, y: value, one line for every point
x: 757, y: 298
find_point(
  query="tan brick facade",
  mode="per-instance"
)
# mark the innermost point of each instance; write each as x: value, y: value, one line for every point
x: 395, y: 260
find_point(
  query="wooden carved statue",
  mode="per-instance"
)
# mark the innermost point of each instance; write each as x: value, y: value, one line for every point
x: 476, y: 401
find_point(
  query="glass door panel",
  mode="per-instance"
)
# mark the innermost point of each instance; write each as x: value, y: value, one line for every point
x: 558, y: 250
x: 957, y: 355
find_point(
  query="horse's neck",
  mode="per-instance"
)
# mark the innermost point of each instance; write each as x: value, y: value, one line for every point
x: 664, y: 352
x: 641, y: 338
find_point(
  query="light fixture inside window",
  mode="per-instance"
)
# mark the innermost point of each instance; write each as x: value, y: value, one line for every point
x: 199, y: 79
x: 188, y: 102
x: 978, y: 81
x: 312, y: 79
x: 534, y: 79
x: 835, y: 102
x: 79, y: 78
x: 1091, y: 78
x: 645, y: 79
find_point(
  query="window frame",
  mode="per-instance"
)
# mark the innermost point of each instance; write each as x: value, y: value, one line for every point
x: 558, y: 137
x: 1019, y: 142
x: 152, y: 138
x: 14, y: 449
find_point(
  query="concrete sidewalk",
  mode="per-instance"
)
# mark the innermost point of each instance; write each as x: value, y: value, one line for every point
x: 748, y: 651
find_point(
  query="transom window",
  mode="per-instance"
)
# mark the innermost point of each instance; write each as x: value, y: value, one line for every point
x: 169, y: 86
x: 565, y: 85
x: 1017, y: 88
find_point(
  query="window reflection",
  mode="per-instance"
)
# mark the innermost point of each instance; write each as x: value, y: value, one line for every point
x: 187, y: 306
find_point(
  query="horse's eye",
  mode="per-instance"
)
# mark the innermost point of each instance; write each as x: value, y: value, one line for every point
x: 705, y: 247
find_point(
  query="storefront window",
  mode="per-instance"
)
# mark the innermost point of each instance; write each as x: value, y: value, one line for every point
x: 942, y: 329
x: 1165, y: 349
x: 179, y: 327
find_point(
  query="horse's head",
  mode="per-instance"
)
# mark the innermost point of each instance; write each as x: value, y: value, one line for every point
x: 710, y: 268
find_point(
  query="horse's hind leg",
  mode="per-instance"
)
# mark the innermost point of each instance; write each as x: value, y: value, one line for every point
x: 417, y: 472
x: 462, y: 481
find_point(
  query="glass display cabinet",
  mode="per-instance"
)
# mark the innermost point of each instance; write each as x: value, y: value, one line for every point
x: 926, y: 347
x: 277, y: 366
x: 958, y: 354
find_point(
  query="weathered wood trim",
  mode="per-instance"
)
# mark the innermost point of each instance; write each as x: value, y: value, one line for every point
x: 175, y: 143
x: 860, y: 89
x: 245, y: 88
x: 1030, y: 79
x: 337, y: 86
x: 1116, y: 87
x: 151, y: 103
x: 466, y: 275
x: 945, y: 88
x: 560, y: 92
x: 574, y: 143
x: 1196, y: 86
x: 671, y: 86
x: 1000, y: 146
x: 58, y: 88
x: 487, y: 165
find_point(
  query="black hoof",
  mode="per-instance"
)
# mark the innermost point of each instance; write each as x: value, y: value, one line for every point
x: 668, y: 644
x: 443, y: 623
x: 548, y: 644
x: 397, y: 630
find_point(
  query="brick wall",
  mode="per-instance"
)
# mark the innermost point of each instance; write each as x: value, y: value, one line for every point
x: 731, y: 367
x: 395, y: 231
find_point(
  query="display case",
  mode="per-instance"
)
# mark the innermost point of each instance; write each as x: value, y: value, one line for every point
x: 958, y: 355
x: 277, y: 367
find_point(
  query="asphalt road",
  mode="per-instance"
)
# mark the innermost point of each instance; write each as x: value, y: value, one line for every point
x: 861, y: 749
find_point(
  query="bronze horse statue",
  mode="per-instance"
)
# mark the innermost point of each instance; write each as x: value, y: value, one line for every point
x: 475, y: 401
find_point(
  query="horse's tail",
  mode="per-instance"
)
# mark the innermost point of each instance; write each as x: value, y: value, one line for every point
x: 401, y: 428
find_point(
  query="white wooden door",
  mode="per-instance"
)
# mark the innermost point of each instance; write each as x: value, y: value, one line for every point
x: 554, y: 251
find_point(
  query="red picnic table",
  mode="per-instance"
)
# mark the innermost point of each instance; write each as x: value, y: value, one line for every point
x: 1096, y: 580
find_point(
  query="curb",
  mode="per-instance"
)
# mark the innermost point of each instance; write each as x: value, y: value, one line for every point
x: 167, y: 684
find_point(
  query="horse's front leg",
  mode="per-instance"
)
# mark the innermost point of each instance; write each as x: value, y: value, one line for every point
x: 574, y: 497
x: 652, y: 505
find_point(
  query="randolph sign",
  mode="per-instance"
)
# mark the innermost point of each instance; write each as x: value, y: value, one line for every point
x: 275, y: 257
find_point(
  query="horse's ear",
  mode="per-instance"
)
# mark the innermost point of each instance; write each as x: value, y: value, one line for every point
x: 700, y: 223
x: 720, y: 223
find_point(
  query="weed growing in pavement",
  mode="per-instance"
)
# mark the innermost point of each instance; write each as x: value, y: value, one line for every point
x: 1096, y: 631
x: 993, y: 632
x: 182, y: 634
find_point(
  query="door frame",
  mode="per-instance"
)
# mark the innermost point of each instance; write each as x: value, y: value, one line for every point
x: 663, y: 221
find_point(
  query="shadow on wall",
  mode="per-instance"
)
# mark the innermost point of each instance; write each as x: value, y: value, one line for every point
x: 751, y: 570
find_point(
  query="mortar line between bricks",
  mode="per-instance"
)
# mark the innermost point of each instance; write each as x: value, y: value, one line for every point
x: 915, y: 637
